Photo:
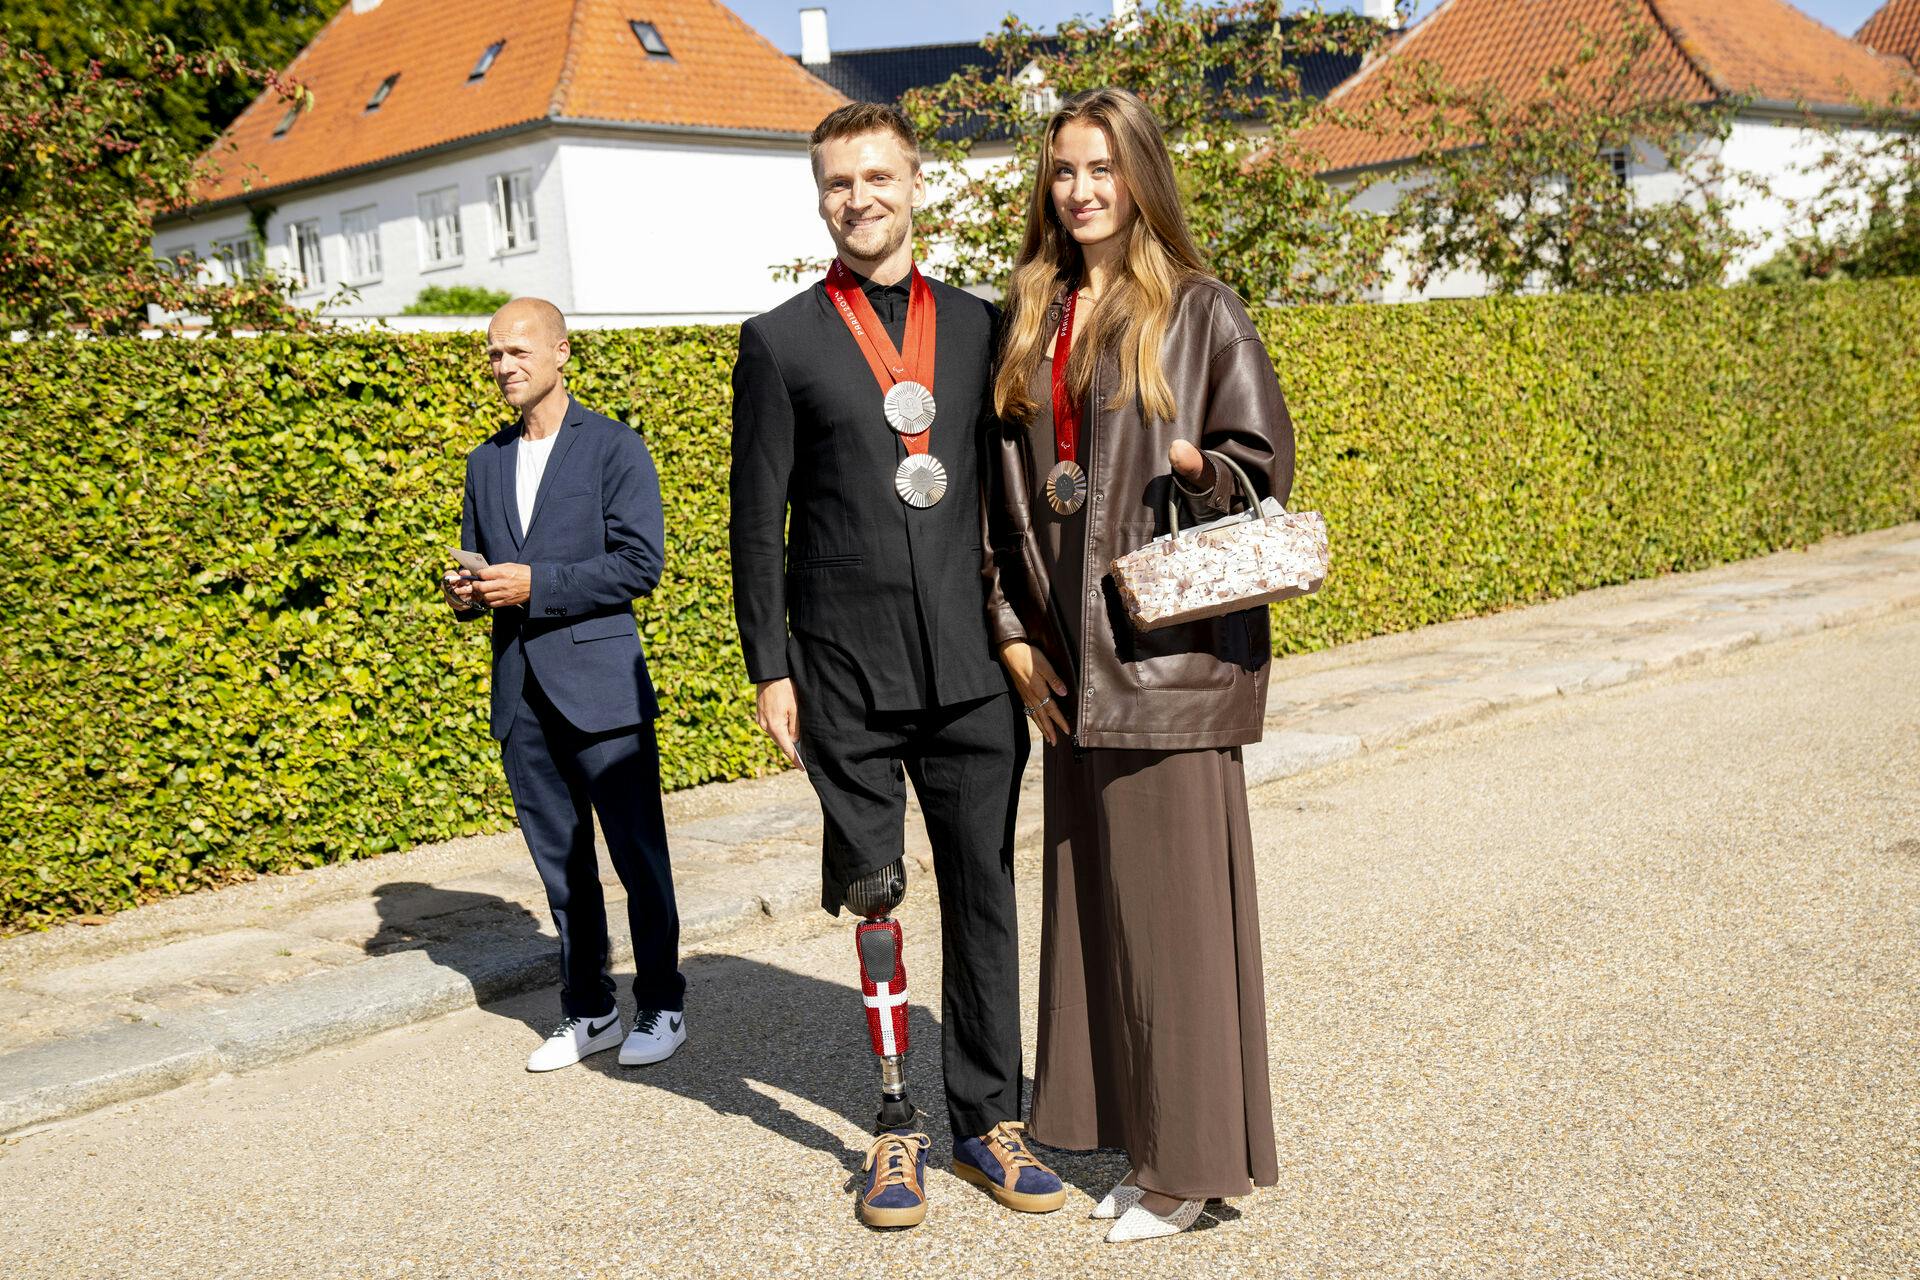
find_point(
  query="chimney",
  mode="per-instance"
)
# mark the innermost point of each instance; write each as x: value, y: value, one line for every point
x: 814, y: 50
x: 365, y: 6
x: 1387, y: 11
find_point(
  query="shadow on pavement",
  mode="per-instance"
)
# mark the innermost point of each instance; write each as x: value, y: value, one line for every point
x: 755, y: 1031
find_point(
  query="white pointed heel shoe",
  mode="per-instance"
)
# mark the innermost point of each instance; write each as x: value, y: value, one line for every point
x: 1123, y: 1197
x: 1141, y: 1223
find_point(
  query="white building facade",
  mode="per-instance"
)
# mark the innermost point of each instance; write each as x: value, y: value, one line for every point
x: 615, y: 227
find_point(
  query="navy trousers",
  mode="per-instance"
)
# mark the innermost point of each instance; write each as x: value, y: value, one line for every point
x: 560, y: 778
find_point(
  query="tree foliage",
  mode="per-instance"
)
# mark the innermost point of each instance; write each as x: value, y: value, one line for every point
x: 1527, y: 189
x: 84, y: 168
x: 1862, y: 219
x: 260, y: 32
x: 1224, y: 81
x: 457, y: 300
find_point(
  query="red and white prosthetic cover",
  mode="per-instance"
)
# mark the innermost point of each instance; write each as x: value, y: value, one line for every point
x: 885, y: 996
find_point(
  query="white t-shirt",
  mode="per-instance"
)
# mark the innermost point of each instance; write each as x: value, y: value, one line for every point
x: 528, y: 467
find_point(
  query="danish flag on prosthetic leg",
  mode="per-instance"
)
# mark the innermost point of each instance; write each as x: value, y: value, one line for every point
x: 883, y: 985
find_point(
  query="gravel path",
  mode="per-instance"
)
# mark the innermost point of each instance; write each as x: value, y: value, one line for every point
x: 1623, y: 986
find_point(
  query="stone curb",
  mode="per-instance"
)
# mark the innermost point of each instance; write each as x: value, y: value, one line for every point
x: 44, y: 1083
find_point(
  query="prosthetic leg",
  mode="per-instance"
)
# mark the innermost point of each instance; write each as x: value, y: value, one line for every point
x: 883, y: 985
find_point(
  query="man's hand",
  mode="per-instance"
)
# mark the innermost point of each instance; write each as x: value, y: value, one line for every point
x: 1039, y: 686
x: 779, y: 714
x: 503, y: 584
x: 458, y: 589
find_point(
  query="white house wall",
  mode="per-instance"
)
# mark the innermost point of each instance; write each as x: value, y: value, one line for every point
x: 540, y: 270
x: 663, y: 232
x: 1765, y: 165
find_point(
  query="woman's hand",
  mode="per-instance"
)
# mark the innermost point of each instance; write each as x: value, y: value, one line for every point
x: 1039, y: 686
x: 1194, y: 468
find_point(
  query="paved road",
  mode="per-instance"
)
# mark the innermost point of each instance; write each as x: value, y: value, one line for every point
x: 1622, y: 986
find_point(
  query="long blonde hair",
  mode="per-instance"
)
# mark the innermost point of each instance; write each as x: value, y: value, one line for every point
x: 1135, y: 309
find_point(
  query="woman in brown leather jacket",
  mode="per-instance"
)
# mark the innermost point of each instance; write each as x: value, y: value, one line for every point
x: 1121, y: 355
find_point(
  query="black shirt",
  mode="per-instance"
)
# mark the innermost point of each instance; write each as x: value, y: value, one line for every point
x: 823, y: 548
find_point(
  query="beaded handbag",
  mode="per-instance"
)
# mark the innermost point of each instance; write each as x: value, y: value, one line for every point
x: 1263, y: 554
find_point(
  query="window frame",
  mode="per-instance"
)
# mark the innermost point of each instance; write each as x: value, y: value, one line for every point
x: 643, y: 31
x: 348, y: 234
x: 241, y: 251
x: 427, y: 261
x: 499, y: 195
x: 380, y: 94
x: 307, y: 281
x: 488, y: 56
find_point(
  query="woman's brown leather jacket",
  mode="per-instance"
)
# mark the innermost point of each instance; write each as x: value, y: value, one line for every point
x: 1200, y: 684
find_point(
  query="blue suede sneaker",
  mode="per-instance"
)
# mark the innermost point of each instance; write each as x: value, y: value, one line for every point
x: 1002, y: 1163
x: 895, y: 1194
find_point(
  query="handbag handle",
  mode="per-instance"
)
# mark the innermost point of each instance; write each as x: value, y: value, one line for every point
x: 1252, y: 512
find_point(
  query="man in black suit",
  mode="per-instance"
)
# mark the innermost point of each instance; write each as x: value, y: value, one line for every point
x: 858, y: 588
x: 564, y: 506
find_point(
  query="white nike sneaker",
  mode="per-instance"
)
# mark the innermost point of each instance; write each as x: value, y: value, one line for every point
x: 656, y: 1034
x: 574, y: 1039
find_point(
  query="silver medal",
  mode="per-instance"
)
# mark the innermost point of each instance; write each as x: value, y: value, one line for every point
x: 909, y: 408
x: 920, y: 480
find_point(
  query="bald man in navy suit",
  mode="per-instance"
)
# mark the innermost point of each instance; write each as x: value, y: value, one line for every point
x: 564, y: 507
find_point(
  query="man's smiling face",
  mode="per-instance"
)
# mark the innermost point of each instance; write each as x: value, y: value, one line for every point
x: 868, y: 192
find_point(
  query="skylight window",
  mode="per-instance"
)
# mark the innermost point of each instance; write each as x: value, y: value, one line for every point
x: 485, y: 64
x: 380, y: 94
x: 286, y: 122
x: 649, y: 37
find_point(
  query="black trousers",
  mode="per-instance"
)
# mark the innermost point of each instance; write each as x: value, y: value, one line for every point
x: 965, y: 762
x: 560, y: 777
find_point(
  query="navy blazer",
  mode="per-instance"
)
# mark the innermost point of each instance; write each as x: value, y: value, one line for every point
x: 595, y: 544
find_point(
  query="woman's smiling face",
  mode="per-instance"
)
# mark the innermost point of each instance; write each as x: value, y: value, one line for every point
x: 1093, y: 204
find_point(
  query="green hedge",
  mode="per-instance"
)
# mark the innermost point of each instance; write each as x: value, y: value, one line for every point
x: 226, y: 655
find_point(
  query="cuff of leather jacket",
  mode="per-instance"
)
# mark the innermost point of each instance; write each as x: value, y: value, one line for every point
x: 1003, y: 625
x: 1217, y: 497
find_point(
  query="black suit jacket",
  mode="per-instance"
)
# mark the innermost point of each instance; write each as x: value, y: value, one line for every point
x: 596, y: 543
x: 822, y: 545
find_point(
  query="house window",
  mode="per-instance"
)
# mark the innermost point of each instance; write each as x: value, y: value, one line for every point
x: 239, y: 258
x: 286, y: 122
x: 511, y: 195
x: 1618, y: 157
x: 380, y: 94
x: 171, y: 259
x: 303, y: 250
x: 649, y: 37
x: 440, y: 242
x: 360, y: 229
x: 1037, y: 97
x: 485, y: 64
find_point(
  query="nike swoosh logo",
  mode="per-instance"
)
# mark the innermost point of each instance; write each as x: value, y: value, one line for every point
x: 673, y: 1024
x: 594, y: 1031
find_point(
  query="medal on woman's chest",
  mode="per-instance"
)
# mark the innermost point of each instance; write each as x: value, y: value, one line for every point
x: 1066, y: 486
x: 906, y: 381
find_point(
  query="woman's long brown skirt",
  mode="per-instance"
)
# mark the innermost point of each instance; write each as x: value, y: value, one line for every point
x: 1153, y: 1028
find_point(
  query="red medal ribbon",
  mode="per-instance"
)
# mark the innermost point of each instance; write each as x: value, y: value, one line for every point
x: 1066, y: 413
x: 888, y: 365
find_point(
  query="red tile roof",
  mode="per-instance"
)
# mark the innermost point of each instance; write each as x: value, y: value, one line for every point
x: 1895, y: 29
x: 1703, y: 50
x: 563, y: 59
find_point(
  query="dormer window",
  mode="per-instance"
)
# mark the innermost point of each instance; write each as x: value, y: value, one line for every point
x: 485, y: 64
x: 380, y: 94
x: 649, y: 37
x: 286, y: 122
